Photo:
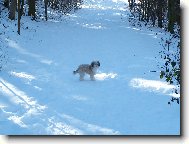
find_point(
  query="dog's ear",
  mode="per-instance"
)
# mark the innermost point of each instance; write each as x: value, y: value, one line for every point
x: 98, y: 63
x: 92, y: 64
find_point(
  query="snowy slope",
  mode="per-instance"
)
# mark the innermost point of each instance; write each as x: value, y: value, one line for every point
x: 40, y: 95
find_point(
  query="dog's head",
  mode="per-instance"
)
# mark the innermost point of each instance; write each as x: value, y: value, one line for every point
x: 95, y: 64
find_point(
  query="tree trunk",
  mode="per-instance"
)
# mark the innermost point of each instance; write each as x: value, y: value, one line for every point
x: 160, y: 13
x: 12, y: 9
x: 19, y: 16
x: 6, y: 3
x: 142, y: 9
x: 46, y: 2
x: 22, y: 8
x: 31, y: 11
x: 171, y: 17
x: 177, y: 11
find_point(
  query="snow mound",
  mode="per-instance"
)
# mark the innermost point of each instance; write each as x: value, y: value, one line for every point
x: 153, y: 85
x: 23, y: 75
x: 103, y: 76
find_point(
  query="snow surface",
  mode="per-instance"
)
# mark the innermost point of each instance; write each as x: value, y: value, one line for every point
x: 40, y: 95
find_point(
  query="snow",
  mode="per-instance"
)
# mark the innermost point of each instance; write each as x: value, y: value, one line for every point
x: 151, y: 85
x: 40, y: 95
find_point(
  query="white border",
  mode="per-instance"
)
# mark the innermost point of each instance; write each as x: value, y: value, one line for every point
x: 130, y: 140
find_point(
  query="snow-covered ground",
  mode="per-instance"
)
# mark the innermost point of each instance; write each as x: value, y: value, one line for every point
x: 40, y: 95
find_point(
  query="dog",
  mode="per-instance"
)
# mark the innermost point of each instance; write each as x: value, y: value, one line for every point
x: 89, y: 69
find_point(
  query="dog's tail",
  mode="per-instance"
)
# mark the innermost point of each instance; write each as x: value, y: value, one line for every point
x: 76, y: 71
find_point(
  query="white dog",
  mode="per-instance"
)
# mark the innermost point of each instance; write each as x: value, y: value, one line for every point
x: 87, y: 69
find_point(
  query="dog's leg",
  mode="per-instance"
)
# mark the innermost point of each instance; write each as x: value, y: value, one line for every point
x: 81, y: 78
x: 92, y: 77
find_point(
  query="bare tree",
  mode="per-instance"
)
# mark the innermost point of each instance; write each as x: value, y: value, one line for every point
x: 22, y: 8
x: 19, y: 17
x: 46, y: 3
x: 166, y: 12
x: 173, y: 14
x: 12, y: 9
x: 31, y: 11
x: 6, y: 3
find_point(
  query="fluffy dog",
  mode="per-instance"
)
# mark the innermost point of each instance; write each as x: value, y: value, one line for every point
x: 89, y: 69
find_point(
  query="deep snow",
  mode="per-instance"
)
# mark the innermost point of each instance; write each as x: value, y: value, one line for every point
x: 40, y: 95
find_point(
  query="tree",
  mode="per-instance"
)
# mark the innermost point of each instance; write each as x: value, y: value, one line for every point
x: 160, y: 13
x: 31, y: 11
x: 165, y: 12
x: 46, y: 2
x: 64, y: 6
x: 173, y: 14
x: 22, y: 8
x: 12, y: 9
x: 19, y: 17
x: 6, y: 3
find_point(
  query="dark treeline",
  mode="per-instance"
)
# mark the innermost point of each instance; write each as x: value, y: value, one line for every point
x: 164, y: 14
x: 64, y: 6
x: 161, y: 13
x: 28, y: 7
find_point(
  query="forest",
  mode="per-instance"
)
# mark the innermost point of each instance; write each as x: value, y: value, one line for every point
x: 162, y: 13
x: 165, y: 14
x: 28, y: 7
